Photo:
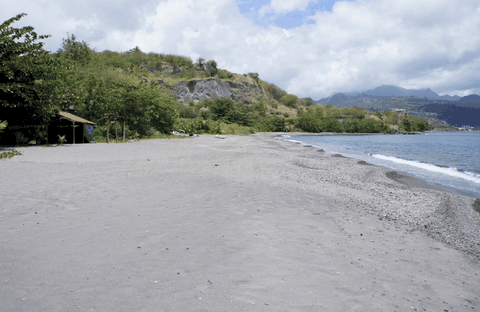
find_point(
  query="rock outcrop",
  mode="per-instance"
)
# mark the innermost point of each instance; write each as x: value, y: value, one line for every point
x: 197, y: 89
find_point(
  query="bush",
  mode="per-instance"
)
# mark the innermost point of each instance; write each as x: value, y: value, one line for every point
x: 289, y: 100
x: 371, y: 126
x: 221, y: 107
x: 273, y: 124
x: 223, y: 74
x: 186, y: 111
x: 275, y: 92
x: 196, y: 125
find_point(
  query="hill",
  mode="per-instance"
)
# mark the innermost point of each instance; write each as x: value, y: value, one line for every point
x: 469, y: 99
x: 151, y: 94
x: 463, y: 111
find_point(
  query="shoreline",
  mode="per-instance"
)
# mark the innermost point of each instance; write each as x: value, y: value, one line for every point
x: 241, y: 223
x: 432, y: 183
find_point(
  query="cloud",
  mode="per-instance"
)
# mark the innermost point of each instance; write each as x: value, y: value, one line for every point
x: 285, y: 6
x: 357, y: 46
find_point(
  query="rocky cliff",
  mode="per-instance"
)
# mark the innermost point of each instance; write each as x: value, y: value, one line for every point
x: 197, y: 89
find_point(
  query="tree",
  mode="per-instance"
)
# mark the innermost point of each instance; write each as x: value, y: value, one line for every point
x: 222, y: 107
x: 27, y: 76
x: 77, y: 51
x: 405, y: 124
x: 289, y: 100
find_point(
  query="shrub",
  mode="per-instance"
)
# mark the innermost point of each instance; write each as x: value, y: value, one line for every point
x: 273, y: 124
x: 197, y: 125
x: 186, y: 112
x: 275, y: 92
x: 289, y: 100
x: 221, y: 107
x: 223, y: 74
x: 187, y: 74
x: 273, y: 104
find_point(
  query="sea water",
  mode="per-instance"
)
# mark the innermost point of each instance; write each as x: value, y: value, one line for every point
x: 449, y: 160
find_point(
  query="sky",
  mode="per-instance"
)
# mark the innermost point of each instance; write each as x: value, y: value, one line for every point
x: 310, y: 48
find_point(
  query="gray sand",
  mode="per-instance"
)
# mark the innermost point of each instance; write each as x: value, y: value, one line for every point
x: 245, y: 223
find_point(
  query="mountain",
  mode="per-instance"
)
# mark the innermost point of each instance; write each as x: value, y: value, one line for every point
x: 337, y: 99
x: 469, y: 99
x: 392, y: 91
x: 455, y: 114
x: 450, y: 98
x: 387, y: 90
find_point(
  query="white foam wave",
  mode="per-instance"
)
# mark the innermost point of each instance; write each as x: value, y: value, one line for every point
x: 448, y: 171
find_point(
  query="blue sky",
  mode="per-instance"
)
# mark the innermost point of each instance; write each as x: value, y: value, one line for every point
x: 287, y: 20
x: 311, y: 48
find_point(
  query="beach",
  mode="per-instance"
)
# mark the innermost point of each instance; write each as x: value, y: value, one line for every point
x: 228, y: 223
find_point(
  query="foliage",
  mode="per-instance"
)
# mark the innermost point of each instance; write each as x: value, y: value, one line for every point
x: 273, y: 124
x: 223, y: 74
x: 275, y: 92
x: 197, y: 125
x: 3, y: 125
x: 78, y: 52
x: 254, y: 76
x: 9, y: 154
x: 221, y: 108
x: 289, y: 100
x: 28, y: 76
x: 61, y: 139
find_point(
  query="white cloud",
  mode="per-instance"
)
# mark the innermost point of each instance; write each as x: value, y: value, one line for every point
x: 358, y: 46
x: 285, y: 6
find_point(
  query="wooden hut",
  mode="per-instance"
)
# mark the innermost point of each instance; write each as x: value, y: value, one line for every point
x: 74, y: 128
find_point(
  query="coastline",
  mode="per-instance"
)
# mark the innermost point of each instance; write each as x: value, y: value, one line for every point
x: 436, y: 172
x: 241, y: 223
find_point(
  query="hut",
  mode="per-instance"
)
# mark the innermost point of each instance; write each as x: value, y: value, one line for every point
x: 74, y: 128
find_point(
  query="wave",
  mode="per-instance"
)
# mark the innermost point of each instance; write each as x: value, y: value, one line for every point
x: 469, y: 176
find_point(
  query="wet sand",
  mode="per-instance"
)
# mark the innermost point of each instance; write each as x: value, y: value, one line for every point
x: 243, y: 223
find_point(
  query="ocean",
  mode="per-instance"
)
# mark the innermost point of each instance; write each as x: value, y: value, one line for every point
x: 449, y: 160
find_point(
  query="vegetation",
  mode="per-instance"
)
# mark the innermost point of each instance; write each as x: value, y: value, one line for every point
x: 28, y: 76
x: 9, y: 154
x: 123, y: 87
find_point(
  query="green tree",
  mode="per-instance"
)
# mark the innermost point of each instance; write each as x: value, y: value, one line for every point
x: 289, y: 100
x: 28, y: 76
x: 77, y: 51
x: 405, y: 124
x: 221, y: 107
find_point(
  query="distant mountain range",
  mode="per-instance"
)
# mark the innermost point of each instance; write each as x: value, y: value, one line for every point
x: 394, y: 91
x: 455, y: 110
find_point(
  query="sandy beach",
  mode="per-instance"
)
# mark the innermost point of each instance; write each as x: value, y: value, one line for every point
x: 230, y: 223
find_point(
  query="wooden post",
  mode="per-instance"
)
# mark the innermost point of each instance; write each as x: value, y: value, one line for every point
x: 116, y: 131
x: 124, y: 131
x: 74, y: 132
x: 108, y: 131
